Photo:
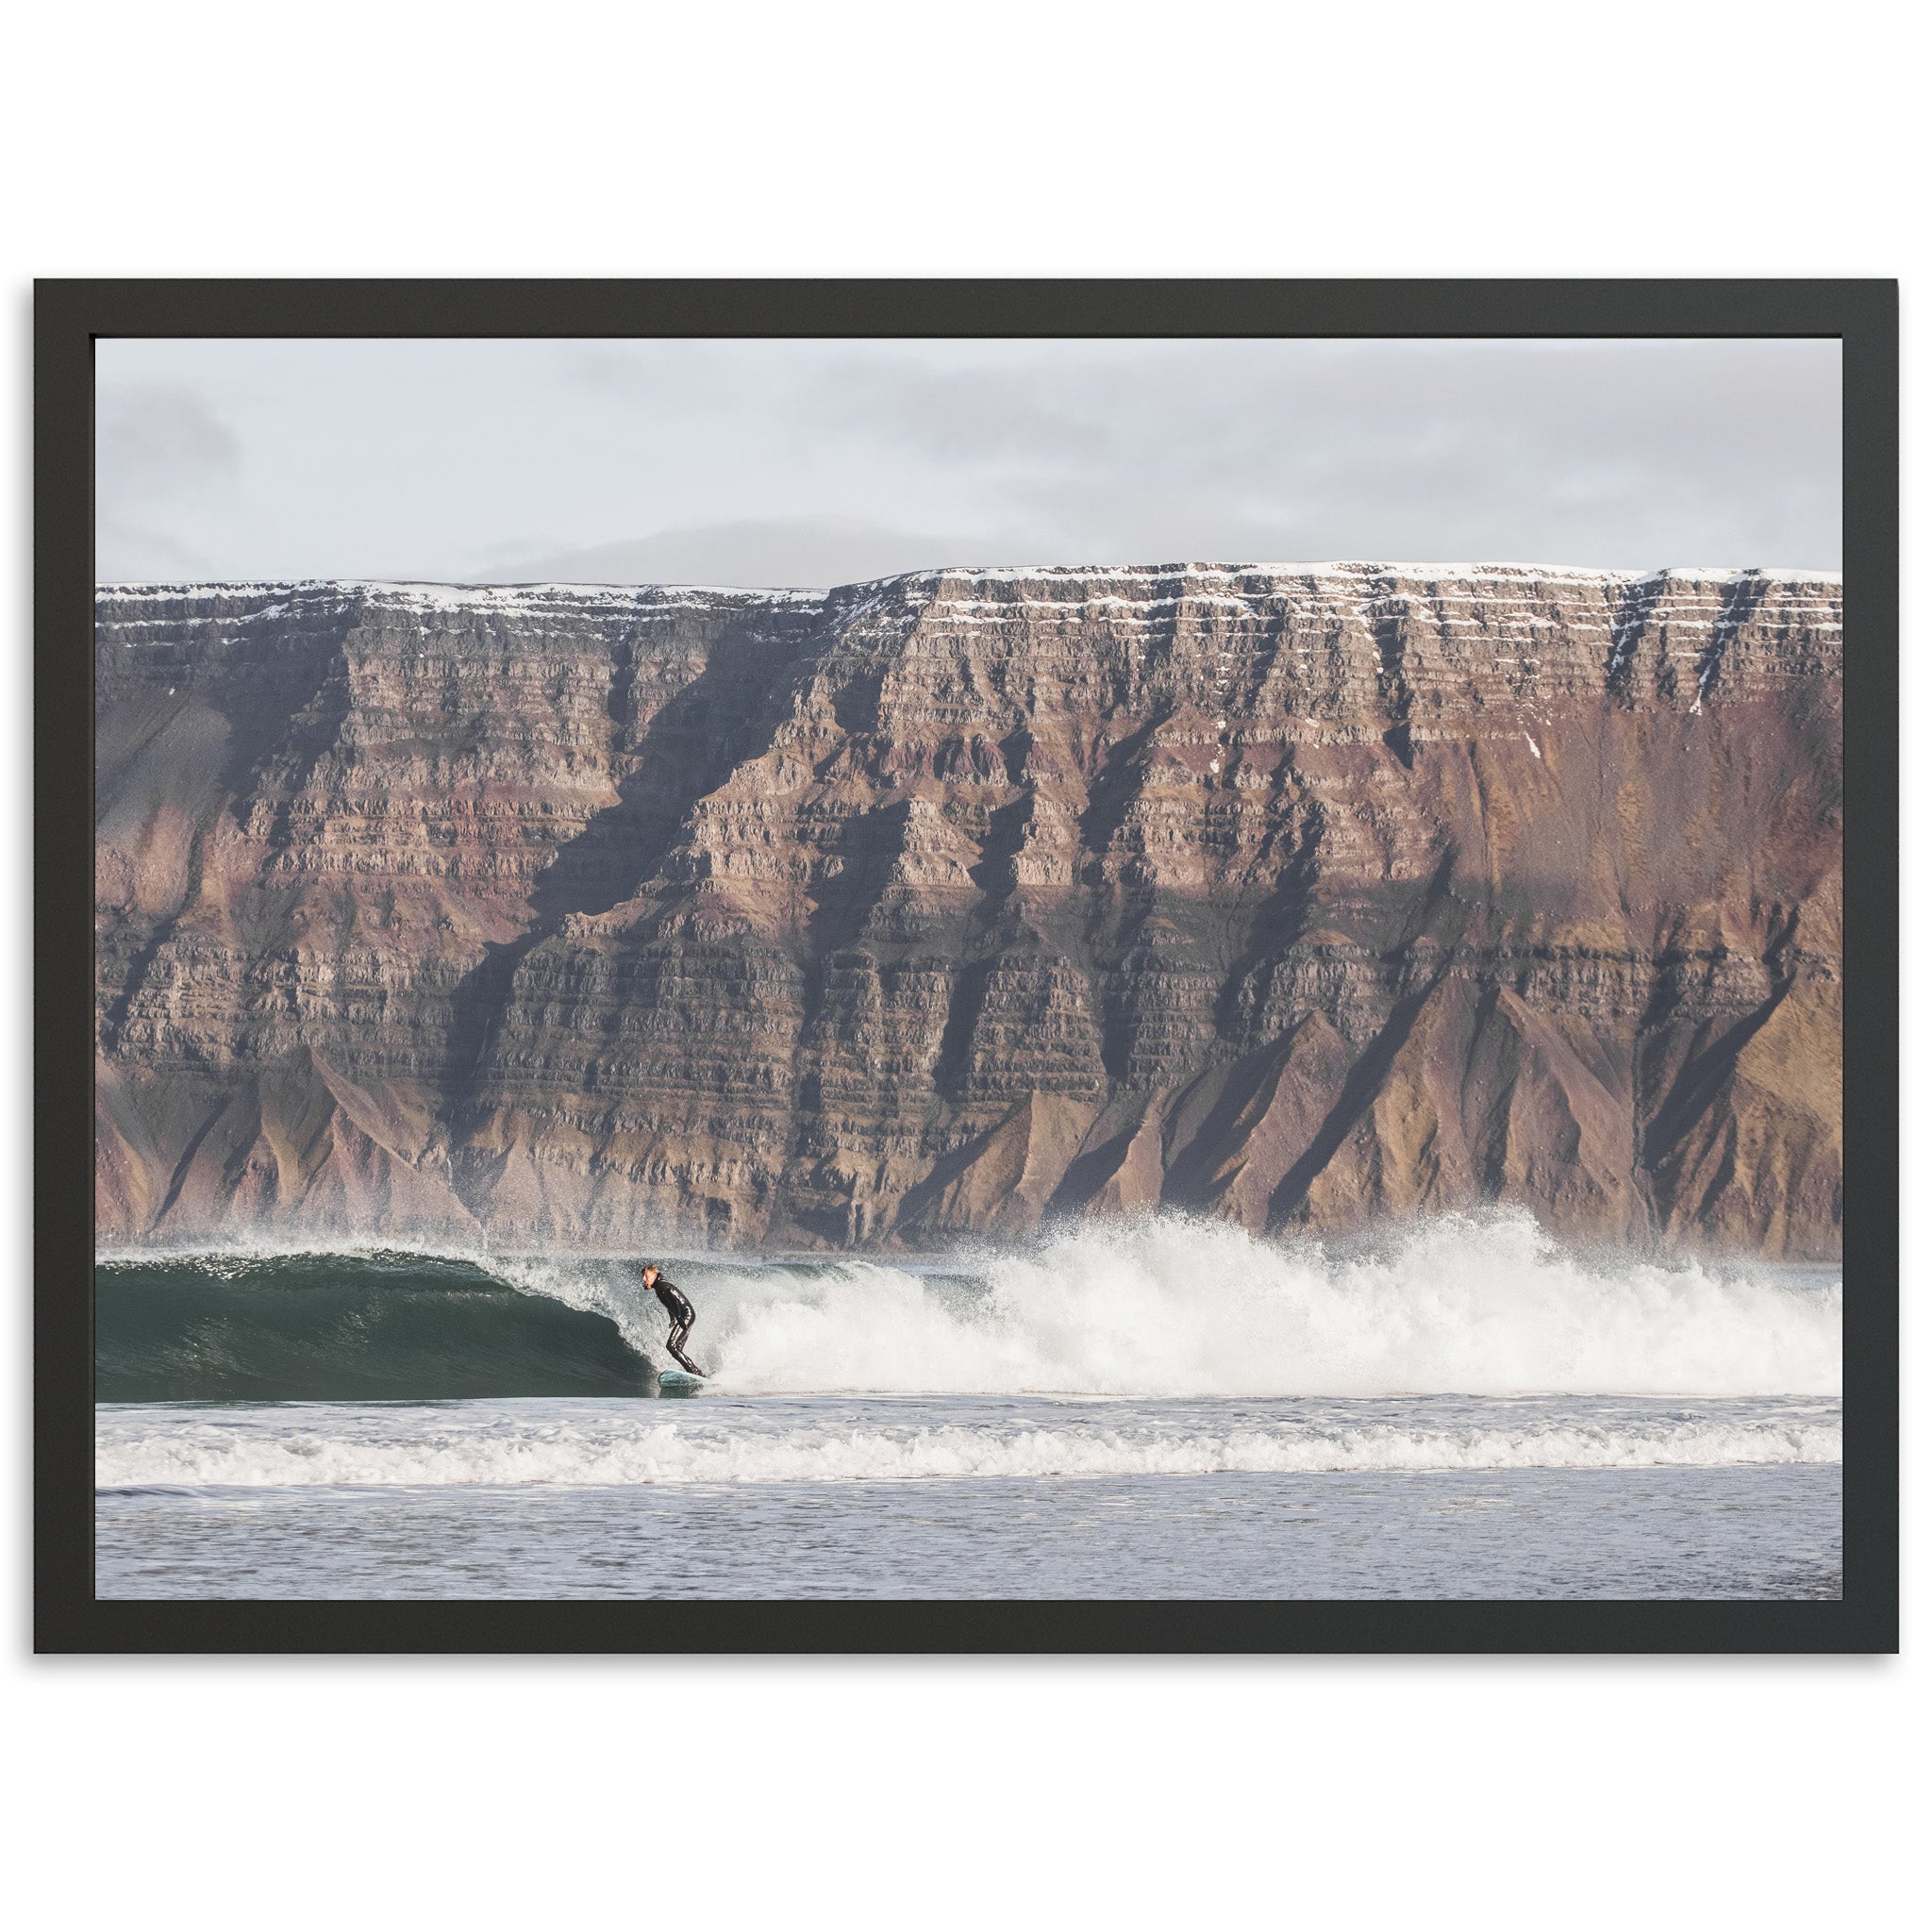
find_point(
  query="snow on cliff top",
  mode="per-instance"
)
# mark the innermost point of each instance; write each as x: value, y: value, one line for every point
x: 451, y: 596
x: 461, y: 596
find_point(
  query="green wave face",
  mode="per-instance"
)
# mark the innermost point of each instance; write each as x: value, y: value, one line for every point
x: 343, y: 1328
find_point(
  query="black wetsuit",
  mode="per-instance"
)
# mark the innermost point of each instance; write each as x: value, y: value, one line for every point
x: 682, y: 1316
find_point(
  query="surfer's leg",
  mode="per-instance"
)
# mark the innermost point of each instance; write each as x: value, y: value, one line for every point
x: 676, y: 1344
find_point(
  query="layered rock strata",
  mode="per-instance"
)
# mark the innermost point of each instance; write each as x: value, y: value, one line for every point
x: 938, y: 906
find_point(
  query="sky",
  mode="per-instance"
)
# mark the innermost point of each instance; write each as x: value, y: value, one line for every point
x: 815, y: 463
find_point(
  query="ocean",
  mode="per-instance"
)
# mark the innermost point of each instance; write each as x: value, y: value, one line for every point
x: 1464, y: 1409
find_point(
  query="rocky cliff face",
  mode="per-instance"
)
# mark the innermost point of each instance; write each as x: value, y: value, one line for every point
x: 941, y: 904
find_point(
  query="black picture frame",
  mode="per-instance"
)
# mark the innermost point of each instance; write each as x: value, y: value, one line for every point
x: 71, y: 315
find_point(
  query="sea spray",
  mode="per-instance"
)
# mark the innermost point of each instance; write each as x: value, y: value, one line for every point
x: 1478, y: 1305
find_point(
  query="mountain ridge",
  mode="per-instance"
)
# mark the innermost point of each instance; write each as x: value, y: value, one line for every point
x: 934, y: 905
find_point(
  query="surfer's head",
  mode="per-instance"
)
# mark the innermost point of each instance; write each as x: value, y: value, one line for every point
x: 649, y: 1269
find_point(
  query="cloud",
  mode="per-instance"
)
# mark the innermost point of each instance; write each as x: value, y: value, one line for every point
x: 1042, y: 414
x: 154, y: 439
x: 811, y: 553
x: 812, y: 462
x: 1605, y: 453
x: 161, y: 456
x: 130, y: 553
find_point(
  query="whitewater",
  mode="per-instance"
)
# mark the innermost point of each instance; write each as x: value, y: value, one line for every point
x: 535, y: 1441
x: 1462, y: 1408
x: 1179, y: 1308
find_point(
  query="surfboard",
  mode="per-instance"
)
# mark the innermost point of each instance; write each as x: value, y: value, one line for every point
x: 678, y: 1379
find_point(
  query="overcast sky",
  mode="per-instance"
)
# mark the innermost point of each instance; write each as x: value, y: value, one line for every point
x: 819, y: 463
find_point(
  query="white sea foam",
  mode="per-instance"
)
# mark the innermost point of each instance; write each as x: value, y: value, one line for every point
x: 580, y: 1443
x: 1481, y: 1306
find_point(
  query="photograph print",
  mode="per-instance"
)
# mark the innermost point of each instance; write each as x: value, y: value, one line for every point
x: 982, y: 968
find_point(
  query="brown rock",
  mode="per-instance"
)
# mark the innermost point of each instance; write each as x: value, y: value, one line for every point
x: 935, y: 906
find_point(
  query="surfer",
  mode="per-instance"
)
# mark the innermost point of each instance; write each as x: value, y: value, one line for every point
x: 681, y: 1311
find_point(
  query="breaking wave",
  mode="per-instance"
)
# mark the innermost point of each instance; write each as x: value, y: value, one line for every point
x: 1488, y: 1306
x: 1479, y: 1305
